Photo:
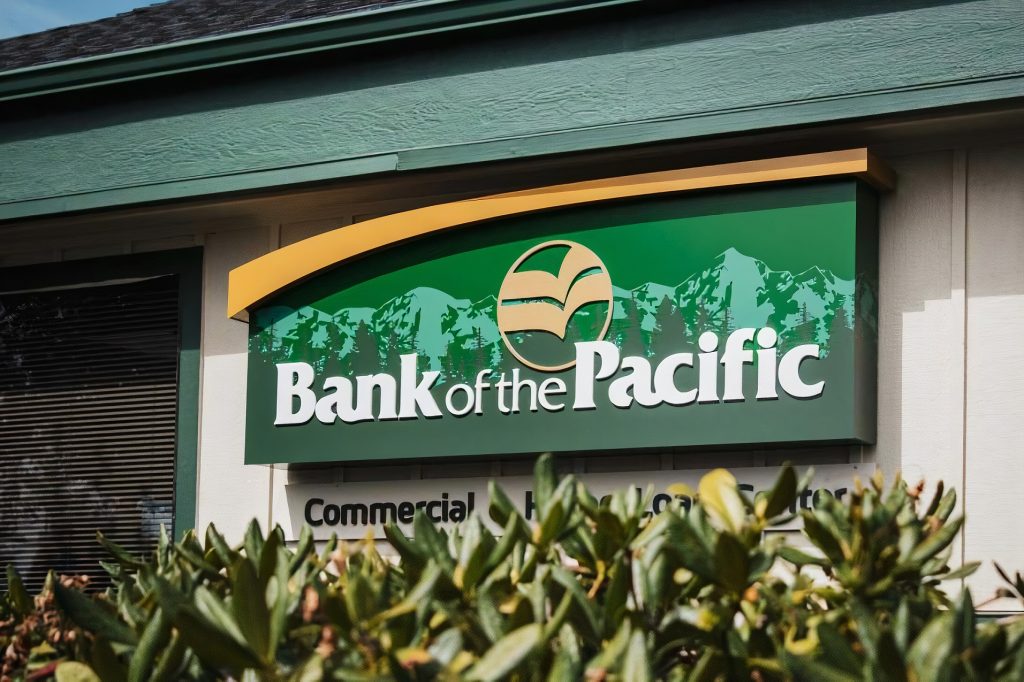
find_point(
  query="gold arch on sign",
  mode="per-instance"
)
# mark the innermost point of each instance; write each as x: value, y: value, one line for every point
x: 259, y: 279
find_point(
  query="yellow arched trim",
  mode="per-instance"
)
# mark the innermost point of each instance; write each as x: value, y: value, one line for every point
x: 261, y: 278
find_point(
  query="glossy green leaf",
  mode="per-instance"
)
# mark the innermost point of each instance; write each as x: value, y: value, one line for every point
x: 782, y: 494
x: 214, y: 646
x: 500, y: 507
x: 506, y: 654
x: 154, y: 638
x: 217, y: 542
x: 303, y: 549
x: 122, y: 556
x: 253, y: 540
x: 90, y: 615
x: 249, y: 606
x: 637, y: 665
x: 836, y: 650
x: 73, y: 671
x: 720, y: 498
x: 172, y: 661
x: 822, y: 537
x: 964, y: 571
x: 20, y: 600
x: 801, y: 558
x: 211, y: 607
x: 937, y: 541
x: 420, y: 593
x: 733, y: 563
x: 105, y: 663
x: 820, y: 671
x: 311, y: 670
x: 544, y: 480
x: 929, y: 654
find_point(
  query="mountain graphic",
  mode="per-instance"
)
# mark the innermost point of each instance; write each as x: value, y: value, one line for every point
x: 458, y: 335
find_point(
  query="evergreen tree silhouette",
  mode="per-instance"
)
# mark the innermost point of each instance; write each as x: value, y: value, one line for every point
x: 585, y: 323
x: 391, y: 362
x: 726, y: 323
x: 481, y: 356
x: 703, y: 321
x: 849, y: 310
x: 670, y: 330
x: 840, y: 336
x: 302, y: 343
x: 333, y: 351
x: 803, y: 332
x: 447, y: 364
x: 634, y: 342
x: 365, y: 354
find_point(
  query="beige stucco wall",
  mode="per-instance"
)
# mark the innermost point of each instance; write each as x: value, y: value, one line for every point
x: 951, y: 361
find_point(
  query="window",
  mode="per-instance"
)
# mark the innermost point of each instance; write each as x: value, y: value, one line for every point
x: 89, y: 422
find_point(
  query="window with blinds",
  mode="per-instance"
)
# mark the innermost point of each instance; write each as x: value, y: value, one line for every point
x: 88, y: 403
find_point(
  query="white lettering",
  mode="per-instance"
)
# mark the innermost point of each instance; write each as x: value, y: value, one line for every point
x: 708, y: 370
x: 550, y: 387
x: 336, y: 403
x: 385, y: 383
x: 415, y: 395
x: 635, y: 385
x: 480, y: 386
x: 665, y: 380
x: 585, y: 374
x: 767, y: 358
x: 518, y: 386
x: 449, y: 399
x: 735, y: 356
x: 789, y: 372
x: 501, y: 385
x: 294, y: 380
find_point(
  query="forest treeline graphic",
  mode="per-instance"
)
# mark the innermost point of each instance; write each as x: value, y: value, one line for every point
x: 460, y: 337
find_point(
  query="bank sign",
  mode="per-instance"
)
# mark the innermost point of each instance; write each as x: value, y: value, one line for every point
x: 745, y: 316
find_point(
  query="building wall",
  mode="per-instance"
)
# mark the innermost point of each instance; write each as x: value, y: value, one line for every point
x: 951, y: 367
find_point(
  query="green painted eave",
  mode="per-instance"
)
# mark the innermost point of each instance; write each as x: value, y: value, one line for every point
x: 292, y: 39
x: 599, y: 81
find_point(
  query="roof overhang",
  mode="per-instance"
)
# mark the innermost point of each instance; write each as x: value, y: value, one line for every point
x: 293, y: 39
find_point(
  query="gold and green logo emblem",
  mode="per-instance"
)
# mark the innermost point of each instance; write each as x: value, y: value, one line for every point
x: 534, y: 300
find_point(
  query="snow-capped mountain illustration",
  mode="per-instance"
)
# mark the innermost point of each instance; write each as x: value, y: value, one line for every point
x: 733, y: 291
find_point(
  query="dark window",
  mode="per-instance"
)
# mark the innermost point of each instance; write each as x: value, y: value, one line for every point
x: 88, y: 402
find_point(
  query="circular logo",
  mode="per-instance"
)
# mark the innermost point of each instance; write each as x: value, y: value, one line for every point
x: 541, y: 315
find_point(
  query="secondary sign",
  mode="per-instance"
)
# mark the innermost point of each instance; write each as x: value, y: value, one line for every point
x: 351, y: 510
x: 735, y: 317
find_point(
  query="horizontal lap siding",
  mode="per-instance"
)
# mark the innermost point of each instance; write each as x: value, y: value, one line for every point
x: 516, y: 95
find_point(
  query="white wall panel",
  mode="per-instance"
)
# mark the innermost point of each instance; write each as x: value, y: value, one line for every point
x: 921, y: 324
x: 229, y: 493
x: 995, y: 362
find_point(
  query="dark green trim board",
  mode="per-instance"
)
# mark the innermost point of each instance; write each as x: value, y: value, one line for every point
x: 187, y: 265
x: 186, y: 472
x: 287, y: 40
x: 676, y: 74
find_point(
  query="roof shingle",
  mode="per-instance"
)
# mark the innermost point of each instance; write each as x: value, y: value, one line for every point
x: 165, y: 23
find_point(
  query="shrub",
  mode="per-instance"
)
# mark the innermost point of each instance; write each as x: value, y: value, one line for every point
x: 591, y: 589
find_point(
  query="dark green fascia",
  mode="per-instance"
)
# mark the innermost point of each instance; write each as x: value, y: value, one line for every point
x: 187, y: 264
x: 347, y: 30
x: 739, y: 121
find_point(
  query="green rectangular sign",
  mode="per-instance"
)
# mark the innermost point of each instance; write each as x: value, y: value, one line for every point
x: 736, y: 317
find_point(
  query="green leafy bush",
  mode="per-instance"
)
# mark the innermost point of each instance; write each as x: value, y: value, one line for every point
x: 590, y: 589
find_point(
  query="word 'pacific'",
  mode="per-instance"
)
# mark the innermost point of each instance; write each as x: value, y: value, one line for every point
x: 631, y: 379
